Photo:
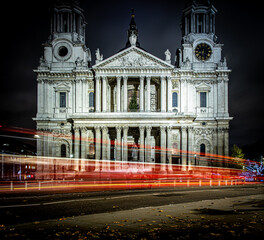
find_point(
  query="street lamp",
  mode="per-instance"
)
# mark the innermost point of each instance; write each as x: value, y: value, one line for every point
x: 195, y: 159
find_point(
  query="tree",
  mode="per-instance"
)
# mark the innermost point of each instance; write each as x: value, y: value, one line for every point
x: 238, y: 156
x: 237, y: 152
x: 133, y: 105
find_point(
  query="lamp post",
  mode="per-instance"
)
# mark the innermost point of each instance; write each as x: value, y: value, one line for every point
x: 195, y: 160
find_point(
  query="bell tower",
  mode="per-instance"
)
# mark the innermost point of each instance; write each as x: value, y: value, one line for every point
x: 200, y: 47
x: 198, y: 19
x: 67, y: 21
x: 64, y: 77
x: 66, y: 44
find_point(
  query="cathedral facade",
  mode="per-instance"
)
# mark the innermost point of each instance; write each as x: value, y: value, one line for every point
x: 133, y: 106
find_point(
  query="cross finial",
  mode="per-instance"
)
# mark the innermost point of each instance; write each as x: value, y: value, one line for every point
x: 132, y: 12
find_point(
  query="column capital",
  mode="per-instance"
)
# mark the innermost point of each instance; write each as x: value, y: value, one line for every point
x: 163, y: 129
x: 148, y: 128
x: 141, y: 128
x: 169, y: 128
x: 142, y: 78
x: 184, y: 129
x: 76, y: 128
x: 97, y: 128
x: 104, y: 77
x: 118, y: 128
x: 125, y: 78
x: 118, y: 78
x: 125, y: 129
x: 97, y: 78
x: 148, y: 78
x: 105, y: 129
x: 83, y: 129
x: 163, y: 78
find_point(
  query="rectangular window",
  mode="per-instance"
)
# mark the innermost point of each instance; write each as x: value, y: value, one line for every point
x: 203, y: 99
x: 63, y: 99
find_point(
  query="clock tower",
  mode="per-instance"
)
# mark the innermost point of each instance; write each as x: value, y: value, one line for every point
x: 204, y: 74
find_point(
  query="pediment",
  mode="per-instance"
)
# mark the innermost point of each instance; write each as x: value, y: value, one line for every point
x: 203, y: 87
x: 62, y: 87
x: 133, y: 57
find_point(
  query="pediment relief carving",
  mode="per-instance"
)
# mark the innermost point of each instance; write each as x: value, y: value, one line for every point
x: 133, y: 58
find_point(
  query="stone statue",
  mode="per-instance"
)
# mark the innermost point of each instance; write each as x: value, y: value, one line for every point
x: 168, y: 56
x: 133, y: 39
x: 99, y: 57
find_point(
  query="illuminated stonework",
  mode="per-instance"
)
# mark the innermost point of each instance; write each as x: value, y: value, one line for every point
x: 180, y: 109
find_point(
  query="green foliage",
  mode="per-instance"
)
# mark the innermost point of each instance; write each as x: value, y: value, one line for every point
x: 238, y: 156
x: 133, y: 106
x: 237, y: 152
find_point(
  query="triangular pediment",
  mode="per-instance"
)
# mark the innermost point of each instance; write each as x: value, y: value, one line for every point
x: 203, y: 87
x: 133, y: 57
x: 62, y: 87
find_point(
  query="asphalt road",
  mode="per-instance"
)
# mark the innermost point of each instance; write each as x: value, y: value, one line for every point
x: 29, y: 208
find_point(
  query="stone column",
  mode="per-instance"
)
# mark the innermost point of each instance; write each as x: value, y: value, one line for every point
x: 220, y: 143
x: 84, y: 141
x: 104, y: 95
x: 105, y: 165
x: 97, y: 142
x: 125, y: 93
x: 97, y: 94
x: 163, y: 149
x: 190, y: 146
x: 163, y: 94
x: 148, y: 144
x: 76, y: 147
x: 141, y: 94
x: 118, y: 94
x: 104, y: 142
x: 118, y: 143
x: 148, y: 94
x: 169, y: 145
x: 226, y: 145
x: 169, y: 95
x: 125, y: 147
x: 142, y: 145
x: 184, y: 145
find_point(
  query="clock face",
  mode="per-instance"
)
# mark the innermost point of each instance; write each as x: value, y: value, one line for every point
x: 203, y: 51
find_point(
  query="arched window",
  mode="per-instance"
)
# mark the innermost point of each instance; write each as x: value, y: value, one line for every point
x: 174, y: 99
x: 63, y: 150
x: 91, y: 99
x: 202, y: 149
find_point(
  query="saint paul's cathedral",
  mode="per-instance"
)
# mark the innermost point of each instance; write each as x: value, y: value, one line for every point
x: 133, y: 106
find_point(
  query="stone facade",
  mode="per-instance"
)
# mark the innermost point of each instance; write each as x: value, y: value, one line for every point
x: 180, y: 110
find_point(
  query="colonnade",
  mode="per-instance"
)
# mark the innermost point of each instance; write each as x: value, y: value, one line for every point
x: 121, y: 82
x: 115, y: 139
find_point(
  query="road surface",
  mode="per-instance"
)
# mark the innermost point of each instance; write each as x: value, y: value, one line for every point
x: 227, y: 212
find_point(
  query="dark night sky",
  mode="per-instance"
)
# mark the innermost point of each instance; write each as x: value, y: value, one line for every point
x: 239, y: 26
